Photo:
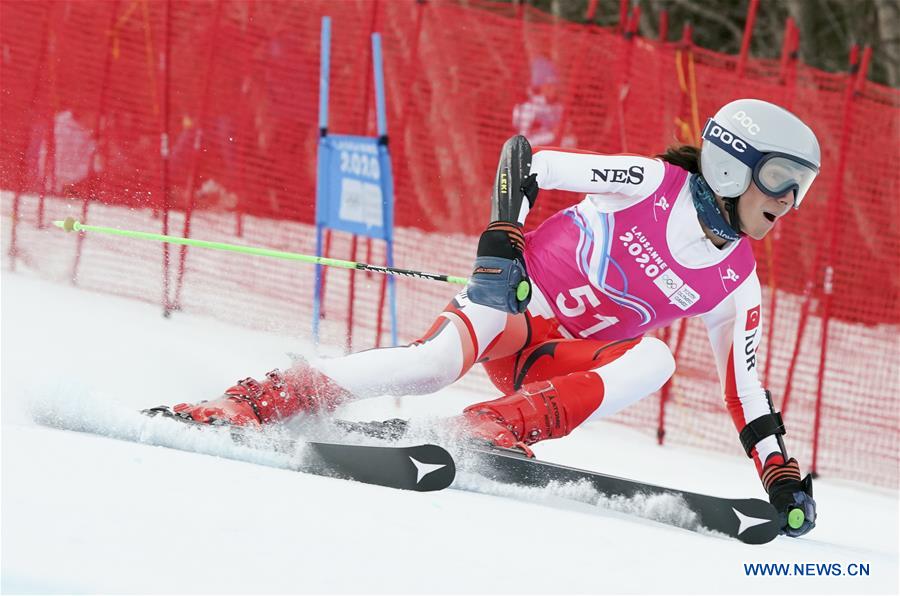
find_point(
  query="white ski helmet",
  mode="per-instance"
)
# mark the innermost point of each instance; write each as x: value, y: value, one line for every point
x: 749, y: 139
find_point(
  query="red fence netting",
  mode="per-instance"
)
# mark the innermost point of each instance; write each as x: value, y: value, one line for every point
x: 201, y: 118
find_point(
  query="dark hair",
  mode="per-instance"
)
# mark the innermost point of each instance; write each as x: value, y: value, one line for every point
x: 683, y: 156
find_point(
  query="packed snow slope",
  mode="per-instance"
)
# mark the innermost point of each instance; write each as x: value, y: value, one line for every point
x: 89, y: 513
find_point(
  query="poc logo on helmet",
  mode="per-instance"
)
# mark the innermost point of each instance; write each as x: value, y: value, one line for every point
x: 716, y: 131
x: 746, y: 121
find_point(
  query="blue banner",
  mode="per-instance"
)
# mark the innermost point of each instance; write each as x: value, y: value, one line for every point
x: 355, y: 186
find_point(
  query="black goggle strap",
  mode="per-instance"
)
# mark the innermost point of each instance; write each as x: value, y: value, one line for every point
x: 731, y: 143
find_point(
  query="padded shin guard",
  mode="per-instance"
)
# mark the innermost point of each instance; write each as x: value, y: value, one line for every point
x: 546, y: 409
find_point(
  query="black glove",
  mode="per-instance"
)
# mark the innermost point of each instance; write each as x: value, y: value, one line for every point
x: 793, y: 499
x: 500, y: 279
x: 530, y: 189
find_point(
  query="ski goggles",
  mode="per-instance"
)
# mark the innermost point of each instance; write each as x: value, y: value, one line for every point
x: 775, y: 173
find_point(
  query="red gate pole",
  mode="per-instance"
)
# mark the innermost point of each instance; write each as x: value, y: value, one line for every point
x: 326, y: 250
x: 354, y: 242
x: 420, y: 7
x: 164, y: 144
x: 772, y: 252
x: 104, y: 87
x: 50, y: 134
x: 245, y: 123
x: 855, y: 76
x: 52, y: 110
x: 382, y: 298
x: 195, y: 157
x: 348, y: 342
x: 801, y: 329
x: 23, y: 156
x: 663, y: 395
x: 807, y: 298
x: 748, y: 35
x: 667, y: 388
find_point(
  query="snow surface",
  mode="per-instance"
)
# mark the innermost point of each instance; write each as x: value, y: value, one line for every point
x: 87, y: 513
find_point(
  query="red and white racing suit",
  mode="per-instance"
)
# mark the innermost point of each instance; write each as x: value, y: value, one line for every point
x: 628, y: 259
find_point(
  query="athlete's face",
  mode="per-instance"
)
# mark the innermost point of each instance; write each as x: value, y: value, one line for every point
x: 759, y: 212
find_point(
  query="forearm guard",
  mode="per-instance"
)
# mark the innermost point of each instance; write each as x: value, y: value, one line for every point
x: 515, y: 189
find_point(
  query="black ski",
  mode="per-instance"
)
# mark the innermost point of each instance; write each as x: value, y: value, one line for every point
x: 753, y: 521
x: 418, y: 467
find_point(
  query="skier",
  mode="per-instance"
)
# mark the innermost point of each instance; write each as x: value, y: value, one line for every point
x: 559, y: 317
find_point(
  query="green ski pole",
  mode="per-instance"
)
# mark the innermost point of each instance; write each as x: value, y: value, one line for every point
x: 72, y: 225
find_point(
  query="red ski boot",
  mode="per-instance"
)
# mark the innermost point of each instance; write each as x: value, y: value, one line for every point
x: 541, y: 410
x: 279, y: 396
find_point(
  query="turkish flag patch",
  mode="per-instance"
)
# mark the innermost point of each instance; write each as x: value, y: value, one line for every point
x: 752, y: 318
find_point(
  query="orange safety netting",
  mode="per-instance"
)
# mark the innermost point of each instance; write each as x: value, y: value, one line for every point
x: 203, y: 115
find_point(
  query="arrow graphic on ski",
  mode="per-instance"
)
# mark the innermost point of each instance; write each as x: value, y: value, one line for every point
x: 747, y: 522
x: 424, y: 469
